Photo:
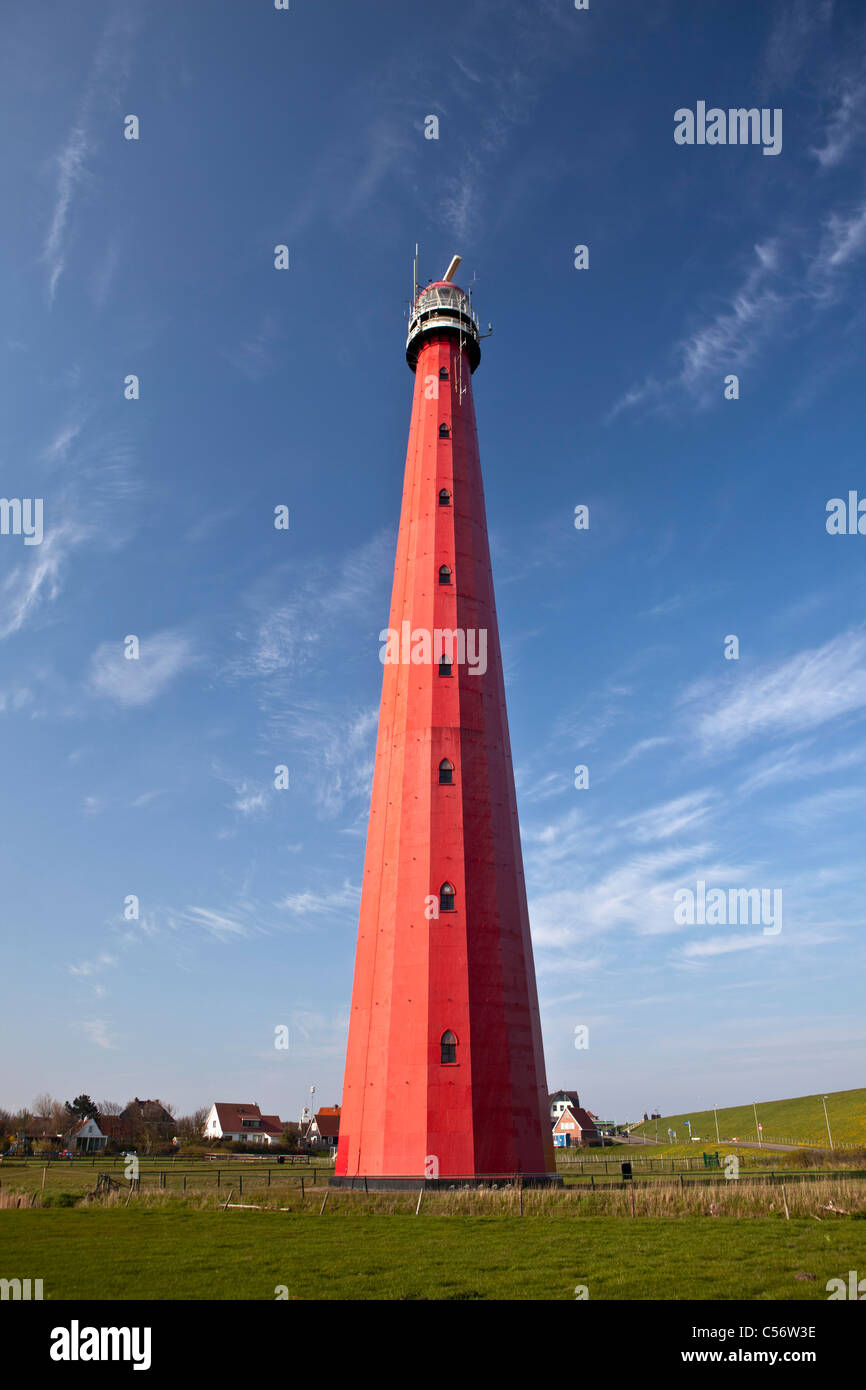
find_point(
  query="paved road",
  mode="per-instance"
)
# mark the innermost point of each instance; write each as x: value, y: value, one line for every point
x: 753, y: 1144
x: 741, y: 1143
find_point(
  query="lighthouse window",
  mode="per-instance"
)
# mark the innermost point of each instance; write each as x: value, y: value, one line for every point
x: 445, y: 667
x: 446, y: 773
x: 446, y: 898
x: 444, y: 574
x: 443, y: 373
x: 444, y: 498
x: 449, y: 1047
x: 444, y: 432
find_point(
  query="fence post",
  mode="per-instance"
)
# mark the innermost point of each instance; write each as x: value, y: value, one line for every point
x: 302, y: 1187
x: 269, y: 1177
x: 184, y: 1182
x: 240, y: 1184
x: 218, y: 1177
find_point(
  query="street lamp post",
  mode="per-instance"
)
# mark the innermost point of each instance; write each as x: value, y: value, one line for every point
x: 827, y: 1118
x: 757, y: 1126
x: 716, y: 1118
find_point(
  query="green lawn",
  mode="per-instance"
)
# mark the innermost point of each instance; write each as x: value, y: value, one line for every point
x: 800, y: 1118
x: 179, y: 1253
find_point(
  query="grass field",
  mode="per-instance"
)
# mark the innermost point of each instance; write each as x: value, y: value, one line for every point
x: 800, y: 1119
x: 174, y: 1252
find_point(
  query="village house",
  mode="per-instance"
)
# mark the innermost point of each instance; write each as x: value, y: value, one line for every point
x: 323, y: 1131
x: 562, y: 1100
x: 42, y: 1133
x: 86, y: 1138
x: 243, y: 1123
x: 574, y: 1128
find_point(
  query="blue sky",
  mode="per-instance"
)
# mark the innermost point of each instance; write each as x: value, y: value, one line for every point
x: 259, y: 647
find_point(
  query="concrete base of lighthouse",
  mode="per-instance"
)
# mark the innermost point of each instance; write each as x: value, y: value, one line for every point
x: 445, y: 1183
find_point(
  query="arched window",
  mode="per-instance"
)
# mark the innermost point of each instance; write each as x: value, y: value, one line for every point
x: 448, y: 1045
x: 443, y: 373
x: 444, y: 666
x: 446, y: 898
x: 444, y: 574
x: 444, y: 497
x: 446, y: 773
x: 444, y: 432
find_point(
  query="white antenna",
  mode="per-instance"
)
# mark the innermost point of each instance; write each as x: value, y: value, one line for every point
x: 415, y: 276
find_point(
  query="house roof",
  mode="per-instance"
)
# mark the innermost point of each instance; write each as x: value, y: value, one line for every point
x: 231, y: 1115
x: 584, y: 1119
x: 571, y: 1096
x: 41, y: 1127
x: 152, y: 1110
x: 92, y: 1120
x: 328, y: 1122
x: 114, y: 1126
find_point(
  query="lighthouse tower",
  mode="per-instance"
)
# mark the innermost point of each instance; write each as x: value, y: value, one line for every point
x: 444, y: 1070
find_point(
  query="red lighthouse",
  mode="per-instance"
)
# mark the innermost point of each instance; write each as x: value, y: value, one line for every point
x: 445, y: 1070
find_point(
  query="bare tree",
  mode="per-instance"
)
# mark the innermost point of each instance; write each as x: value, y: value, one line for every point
x: 110, y: 1107
x: 44, y: 1103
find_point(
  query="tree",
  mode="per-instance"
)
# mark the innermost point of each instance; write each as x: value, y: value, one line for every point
x: 43, y: 1104
x: 189, y: 1127
x: 81, y: 1109
x: 110, y: 1107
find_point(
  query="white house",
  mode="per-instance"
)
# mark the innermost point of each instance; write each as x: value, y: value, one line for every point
x: 243, y: 1123
x: 88, y: 1138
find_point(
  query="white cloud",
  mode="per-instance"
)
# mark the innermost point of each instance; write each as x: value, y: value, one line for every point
x: 97, y: 1031
x: 805, y: 691
x: 670, y: 818
x: 846, y: 125
x: 131, y: 683
x: 37, y: 579
x: 337, y: 902
x: 216, y: 923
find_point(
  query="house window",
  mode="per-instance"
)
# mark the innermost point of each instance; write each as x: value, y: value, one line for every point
x: 444, y: 498
x: 449, y: 1048
x: 443, y: 373
x: 446, y: 898
x: 444, y: 574
x: 444, y: 432
x: 446, y: 773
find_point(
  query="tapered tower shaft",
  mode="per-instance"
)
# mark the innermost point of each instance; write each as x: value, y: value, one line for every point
x: 444, y: 1070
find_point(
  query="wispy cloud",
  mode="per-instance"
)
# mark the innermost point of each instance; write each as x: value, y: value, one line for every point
x: 97, y: 1031
x: 217, y: 924
x: 163, y: 657
x: 782, y: 277
x: 669, y: 819
x: 37, y: 579
x: 791, y: 41
x: 108, y: 70
x: 255, y: 355
x: 800, y: 693
x: 789, y: 765
x: 335, y: 902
